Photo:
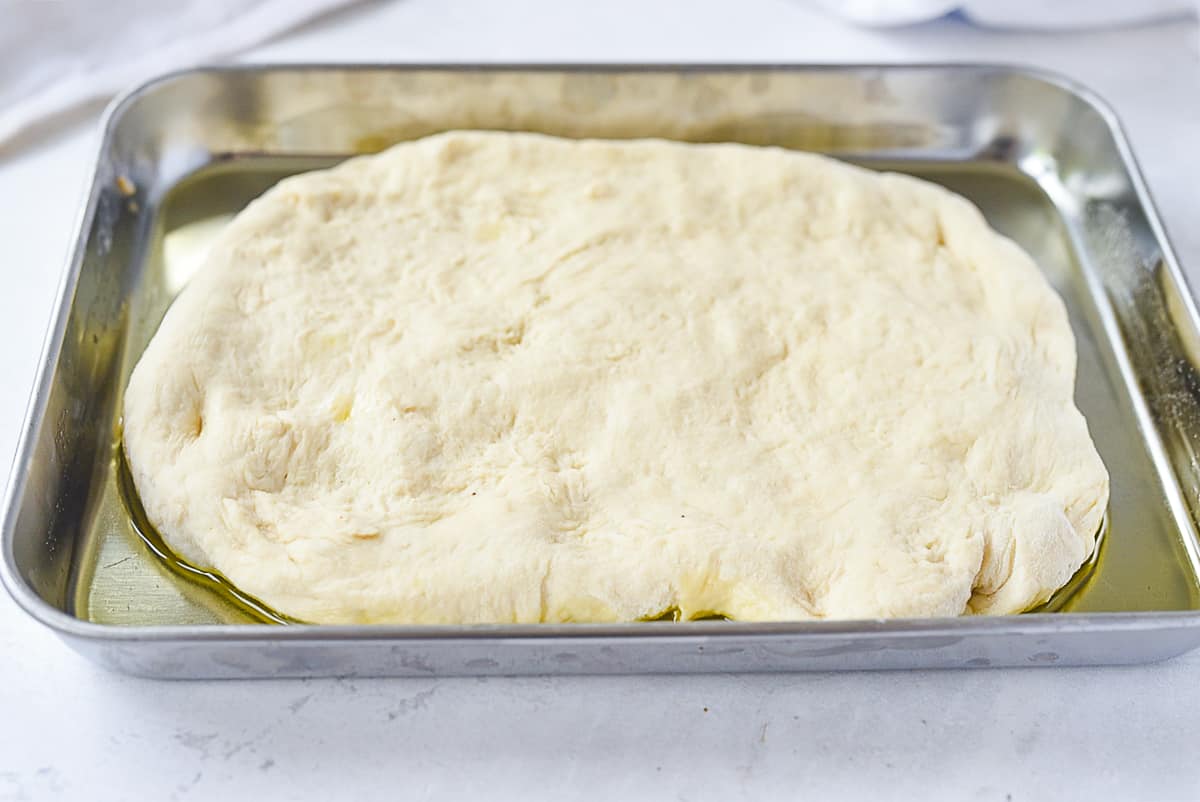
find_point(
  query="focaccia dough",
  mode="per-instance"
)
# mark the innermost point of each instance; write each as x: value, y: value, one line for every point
x: 488, y: 377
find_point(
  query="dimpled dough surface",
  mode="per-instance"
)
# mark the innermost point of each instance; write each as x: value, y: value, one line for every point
x: 487, y: 377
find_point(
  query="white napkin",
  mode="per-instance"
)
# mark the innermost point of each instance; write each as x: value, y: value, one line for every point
x: 1016, y: 14
x: 58, y: 54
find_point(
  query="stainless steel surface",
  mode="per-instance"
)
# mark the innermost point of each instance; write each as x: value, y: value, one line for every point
x: 1044, y: 160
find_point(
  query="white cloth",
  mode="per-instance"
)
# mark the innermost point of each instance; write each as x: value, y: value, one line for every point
x: 1022, y: 14
x: 57, y: 54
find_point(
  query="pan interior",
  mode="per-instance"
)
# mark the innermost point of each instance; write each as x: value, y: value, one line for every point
x: 1144, y: 566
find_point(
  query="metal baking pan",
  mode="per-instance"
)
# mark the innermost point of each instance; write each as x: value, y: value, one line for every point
x: 1043, y: 158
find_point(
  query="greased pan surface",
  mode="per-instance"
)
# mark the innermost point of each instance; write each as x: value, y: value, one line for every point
x: 1045, y: 161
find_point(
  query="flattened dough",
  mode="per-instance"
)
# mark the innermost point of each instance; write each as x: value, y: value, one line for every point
x: 488, y: 377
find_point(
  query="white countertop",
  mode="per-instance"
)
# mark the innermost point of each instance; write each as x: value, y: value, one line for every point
x: 70, y: 730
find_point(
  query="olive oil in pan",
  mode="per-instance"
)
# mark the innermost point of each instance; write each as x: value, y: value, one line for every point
x: 212, y: 581
x: 673, y: 613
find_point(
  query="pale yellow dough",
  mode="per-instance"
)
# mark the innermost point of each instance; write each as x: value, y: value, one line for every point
x: 487, y: 377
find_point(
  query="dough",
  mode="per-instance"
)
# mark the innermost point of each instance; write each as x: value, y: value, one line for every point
x: 491, y: 377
